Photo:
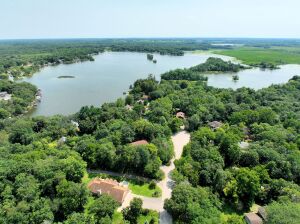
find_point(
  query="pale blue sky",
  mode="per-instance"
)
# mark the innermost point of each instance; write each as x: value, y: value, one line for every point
x: 149, y: 18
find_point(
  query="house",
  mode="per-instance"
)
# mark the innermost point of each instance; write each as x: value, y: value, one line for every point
x: 140, y: 142
x: 180, y: 115
x: 244, y: 145
x: 129, y: 107
x: 75, y: 124
x: 62, y: 140
x: 262, y: 213
x: 145, y: 97
x: 215, y: 125
x: 253, y: 218
x: 140, y: 101
x: 110, y: 187
x: 5, y: 96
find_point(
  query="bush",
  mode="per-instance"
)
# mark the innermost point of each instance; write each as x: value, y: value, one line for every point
x: 152, y: 185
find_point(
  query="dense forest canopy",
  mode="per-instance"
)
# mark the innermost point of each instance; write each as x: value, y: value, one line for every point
x: 41, y: 178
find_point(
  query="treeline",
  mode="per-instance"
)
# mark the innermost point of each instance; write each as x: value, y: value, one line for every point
x: 22, y: 98
x: 24, y: 57
x: 196, y: 73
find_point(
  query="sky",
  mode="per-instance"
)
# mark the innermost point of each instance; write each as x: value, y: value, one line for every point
x: 33, y: 19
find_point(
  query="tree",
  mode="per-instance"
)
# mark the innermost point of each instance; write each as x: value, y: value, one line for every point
x: 27, y: 187
x: 244, y: 187
x: 21, y: 132
x: 71, y: 198
x: 193, y: 205
x: 101, y: 207
x: 132, y: 212
x: 76, y: 218
x: 3, y: 113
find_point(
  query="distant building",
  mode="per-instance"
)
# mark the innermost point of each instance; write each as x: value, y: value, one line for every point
x: 140, y: 101
x: 76, y: 124
x: 145, y: 97
x: 180, y: 115
x: 215, y: 124
x: 140, y: 142
x: 110, y: 187
x: 62, y: 140
x: 252, y: 218
x: 243, y: 145
x: 5, y: 96
x: 129, y: 107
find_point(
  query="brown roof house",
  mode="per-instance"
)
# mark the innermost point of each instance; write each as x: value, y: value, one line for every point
x: 110, y: 187
x: 140, y: 142
x: 253, y: 218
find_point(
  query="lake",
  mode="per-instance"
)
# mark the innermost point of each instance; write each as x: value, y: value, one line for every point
x: 255, y: 78
x: 66, y: 88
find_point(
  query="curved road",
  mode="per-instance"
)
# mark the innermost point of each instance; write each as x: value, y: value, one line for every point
x: 179, y: 141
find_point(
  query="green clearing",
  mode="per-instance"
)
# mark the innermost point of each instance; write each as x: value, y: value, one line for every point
x: 137, y: 187
x: 256, y: 55
x: 144, y: 189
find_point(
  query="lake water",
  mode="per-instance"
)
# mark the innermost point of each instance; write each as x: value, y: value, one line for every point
x: 106, y: 78
x: 254, y: 78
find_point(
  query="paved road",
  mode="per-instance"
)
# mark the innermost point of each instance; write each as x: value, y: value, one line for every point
x: 179, y: 141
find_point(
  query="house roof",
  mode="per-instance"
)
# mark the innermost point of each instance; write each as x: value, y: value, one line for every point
x: 140, y: 142
x: 262, y: 213
x: 215, y: 124
x: 252, y: 218
x: 145, y: 97
x: 128, y: 107
x: 180, y: 115
x: 5, y: 96
x: 110, y: 187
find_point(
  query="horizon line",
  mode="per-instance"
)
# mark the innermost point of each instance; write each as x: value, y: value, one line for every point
x: 170, y: 37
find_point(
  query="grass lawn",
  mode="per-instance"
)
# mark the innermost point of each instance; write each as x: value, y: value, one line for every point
x: 118, y: 218
x: 144, y: 189
x: 136, y: 186
x: 256, y: 55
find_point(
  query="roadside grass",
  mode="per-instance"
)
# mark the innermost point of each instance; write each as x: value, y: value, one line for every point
x: 256, y: 55
x: 137, y: 187
x: 117, y: 218
x: 142, y: 219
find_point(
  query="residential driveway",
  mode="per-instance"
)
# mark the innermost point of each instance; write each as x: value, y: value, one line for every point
x: 179, y: 141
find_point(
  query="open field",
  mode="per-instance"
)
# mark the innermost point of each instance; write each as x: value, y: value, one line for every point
x: 255, y: 55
